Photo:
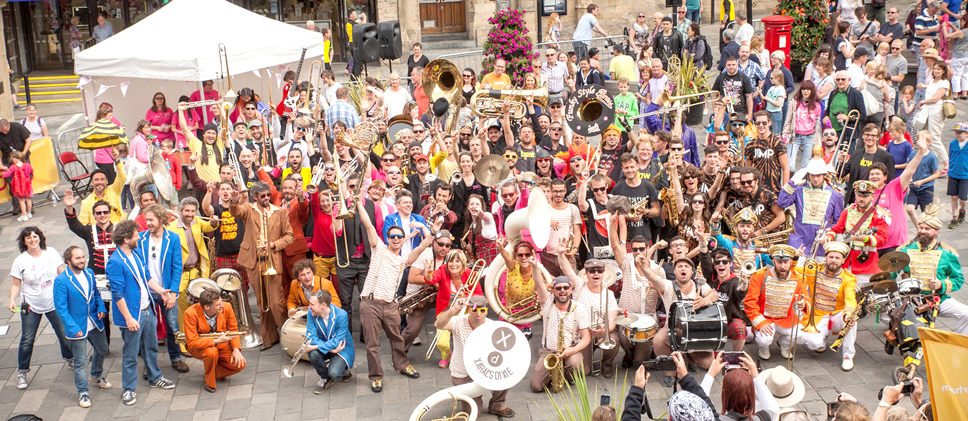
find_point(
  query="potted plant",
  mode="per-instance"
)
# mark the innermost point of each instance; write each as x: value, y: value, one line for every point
x: 686, y: 79
x: 810, y: 18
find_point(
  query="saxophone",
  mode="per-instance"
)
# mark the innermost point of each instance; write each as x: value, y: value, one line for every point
x: 553, y: 362
x: 668, y: 197
x: 849, y: 324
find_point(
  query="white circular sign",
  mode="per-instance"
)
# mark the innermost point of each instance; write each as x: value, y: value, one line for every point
x: 497, y: 355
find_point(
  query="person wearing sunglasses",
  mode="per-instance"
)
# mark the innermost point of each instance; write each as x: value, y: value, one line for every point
x: 255, y: 256
x: 602, y: 323
x: 461, y: 327
x: 451, y: 280
x: 519, y: 282
x: 418, y: 276
x: 761, y: 201
x: 814, y: 201
x: 732, y: 292
x: 737, y: 134
x: 767, y: 153
x: 638, y: 191
x: 841, y: 100
x: 596, y: 215
x: 870, y: 153
x: 687, y: 285
x: 563, y: 318
x: 378, y: 306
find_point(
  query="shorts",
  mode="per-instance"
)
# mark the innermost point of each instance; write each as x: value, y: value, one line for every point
x: 919, y: 198
x: 958, y: 188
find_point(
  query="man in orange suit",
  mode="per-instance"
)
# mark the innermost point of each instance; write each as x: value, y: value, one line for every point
x: 770, y: 301
x: 222, y: 355
x: 305, y: 284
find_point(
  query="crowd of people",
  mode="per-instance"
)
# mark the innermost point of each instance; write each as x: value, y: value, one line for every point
x: 335, y: 208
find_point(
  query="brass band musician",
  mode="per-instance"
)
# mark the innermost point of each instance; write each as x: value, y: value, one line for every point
x: 222, y: 355
x: 834, y: 302
x: 770, y: 301
x: 566, y: 330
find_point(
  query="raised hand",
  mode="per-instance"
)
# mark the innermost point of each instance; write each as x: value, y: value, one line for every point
x: 69, y: 199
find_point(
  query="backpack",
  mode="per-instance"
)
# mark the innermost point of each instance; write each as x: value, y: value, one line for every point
x: 707, y: 57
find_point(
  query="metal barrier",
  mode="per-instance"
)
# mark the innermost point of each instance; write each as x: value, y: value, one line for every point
x: 473, y: 59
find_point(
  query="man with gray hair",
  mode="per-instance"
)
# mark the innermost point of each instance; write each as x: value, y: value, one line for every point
x: 556, y: 73
x: 730, y: 49
x: 926, y: 26
x: 745, y: 31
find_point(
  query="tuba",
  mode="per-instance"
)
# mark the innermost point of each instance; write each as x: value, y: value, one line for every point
x: 465, y: 393
x: 442, y: 79
x: 239, y: 303
x: 156, y: 173
x: 489, y: 103
x: 534, y: 218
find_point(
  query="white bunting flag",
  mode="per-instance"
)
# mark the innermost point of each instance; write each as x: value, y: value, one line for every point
x: 102, y: 89
x: 124, y: 89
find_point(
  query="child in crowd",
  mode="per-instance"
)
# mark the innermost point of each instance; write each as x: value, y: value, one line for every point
x: 906, y: 108
x: 625, y: 102
x: 21, y: 175
x: 958, y: 174
x: 774, y: 100
x: 127, y: 199
x: 174, y: 164
x: 921, y: 191
x: 899, y: 147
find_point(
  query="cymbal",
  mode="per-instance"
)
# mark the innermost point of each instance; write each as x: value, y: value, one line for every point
x: 626, y: 320
x: 866, y: 286
x: 491, y: 169
x: 894, y: 261
x: 299, y: 314
x: 885, y: 287
x: 882, y: 276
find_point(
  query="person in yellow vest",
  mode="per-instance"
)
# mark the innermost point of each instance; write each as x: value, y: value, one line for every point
x: 103, y: 191
x: 195, y: 259
x: 305, y: 285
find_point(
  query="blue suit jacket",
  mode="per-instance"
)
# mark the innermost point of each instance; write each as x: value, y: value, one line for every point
x: 394, y: 219
x: 171, y: 258
x: 125, y: 285
x: 73, y: 307
x: 327, y: 333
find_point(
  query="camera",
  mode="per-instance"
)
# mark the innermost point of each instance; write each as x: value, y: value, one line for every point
x: 605, y: 399
x: 660, y: 363
x: 906, y: 389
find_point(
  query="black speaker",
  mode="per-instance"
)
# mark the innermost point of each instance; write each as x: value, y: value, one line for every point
x: 391, y: 44
x: 366, y: 47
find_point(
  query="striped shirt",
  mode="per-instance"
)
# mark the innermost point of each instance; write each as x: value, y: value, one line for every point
x: 631, y: 298
x: 556, y: 76
x: 924, y: 21
x: 575, y: 321
x: 595, y: 305
x: 383, y: 277
x: 462, y: 331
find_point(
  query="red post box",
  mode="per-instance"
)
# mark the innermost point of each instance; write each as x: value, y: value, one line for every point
x: 777, y: 37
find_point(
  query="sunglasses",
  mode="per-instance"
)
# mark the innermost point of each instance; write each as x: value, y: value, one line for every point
x: 465, y: 135
x: 762, y: 123
x: 507, y: 194
x: 597, y: 189
x: 393, y: 172
x: 299, y: 129
x: 840, y: 78
x: 444, y: 245
x: 418, y: 131
x: 510, y: 156
x: 524, y: 254
x: 563, y: 288
x: 676, y: 149
x: 555, y: 129
x: 554, y: 106
x: 389, y: 159
x: 468, y: 75
x: 689, y: 177
x: 329, y: 169
x: 576, y: 159
x: 395, y: 236
x: 102, y: 212
x: 596, y: 270
x: 746, y: 182
x: 639, y: 249
x: 722, y: 142
x: 832, y: 134
x: 479, y: 310
x: 698, y: 202
x: 550, y: 55
x: 722, y: 262
x: 738, y: 124
x: 249, y: 109
x: 265, y: 195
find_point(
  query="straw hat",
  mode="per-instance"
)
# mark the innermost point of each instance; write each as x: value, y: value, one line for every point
x: 785, y: 386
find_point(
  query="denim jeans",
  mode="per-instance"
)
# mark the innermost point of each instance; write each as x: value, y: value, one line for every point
x: 145, y: 342
x: 29, y: 323
x: 776, y: 117
x: 336, y: 369
x: 804, y: 144
x: 693, y: 15
x: 171, y: 323
x: 581, y: 48
x: 79, y: 347
x: 127, y: 200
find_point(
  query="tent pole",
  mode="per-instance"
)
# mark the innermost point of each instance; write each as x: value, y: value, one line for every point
x: 201, y: 95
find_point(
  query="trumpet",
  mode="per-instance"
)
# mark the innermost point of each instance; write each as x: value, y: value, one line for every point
x: 635, y: 208
x: 237, y: 177
x: 288, y: 371
x: 465, y: 291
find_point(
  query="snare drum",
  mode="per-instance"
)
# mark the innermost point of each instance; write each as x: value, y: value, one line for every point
x: 698, y: 330
x: 197, y: 285
x: 877, y: 302
x: 641, y: 330
x: 104, y: 287
x: 909, y: 286
x: 227, y: 279
x: 293, y: 336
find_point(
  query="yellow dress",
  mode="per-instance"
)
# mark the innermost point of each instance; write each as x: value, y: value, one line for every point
x: 516, y: 288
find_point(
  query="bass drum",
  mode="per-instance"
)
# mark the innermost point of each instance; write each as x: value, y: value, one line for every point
x: 293, y: 336
x: 104, y: 287
x: 698, y: 330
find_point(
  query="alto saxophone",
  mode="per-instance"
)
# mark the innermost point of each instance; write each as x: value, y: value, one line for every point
x: 553, y: 363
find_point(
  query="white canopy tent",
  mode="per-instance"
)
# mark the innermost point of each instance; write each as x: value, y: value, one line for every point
x: 176, y: 48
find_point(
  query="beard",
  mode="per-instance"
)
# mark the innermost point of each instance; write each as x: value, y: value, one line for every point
x: 924, y: 240
x: 77, y: 268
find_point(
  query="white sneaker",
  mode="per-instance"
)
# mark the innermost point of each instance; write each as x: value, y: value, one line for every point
x: 764, y: 353
x: 84, y: 401
x: 848, y: 364
x: 30, y: 215
x: 21, y: 218
x: 22, y: 381
x: 785, y: 353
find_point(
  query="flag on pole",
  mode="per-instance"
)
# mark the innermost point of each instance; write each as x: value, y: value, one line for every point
x: 944, y: 358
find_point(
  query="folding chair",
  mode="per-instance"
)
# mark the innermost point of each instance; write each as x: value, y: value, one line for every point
x: 80, y: 183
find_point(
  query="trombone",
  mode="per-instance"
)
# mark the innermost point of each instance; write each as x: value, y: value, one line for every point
x: 465, y: 291
x: 263, y: 249
x: 839, y: 161
x: 606, y: 343
x: 309, y: 89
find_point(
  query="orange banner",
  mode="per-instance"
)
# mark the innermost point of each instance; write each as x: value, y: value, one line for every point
x: 44, y: 163
x: 944, y: 354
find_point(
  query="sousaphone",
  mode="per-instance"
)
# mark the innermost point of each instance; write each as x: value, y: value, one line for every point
x: 157, y: 173
x: 442, y: 79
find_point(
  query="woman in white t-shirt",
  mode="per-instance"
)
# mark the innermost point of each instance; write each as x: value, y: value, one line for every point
x: 395, y: 97
x: 33, y: 274
x: 931, y: 105
x: 36, y: 125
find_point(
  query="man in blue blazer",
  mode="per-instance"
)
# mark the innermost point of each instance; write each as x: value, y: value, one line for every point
x: 161, y: 250
x: 330, y: 341
x: 79, y: 306
x: 131, y: 286
x: 403, y: 218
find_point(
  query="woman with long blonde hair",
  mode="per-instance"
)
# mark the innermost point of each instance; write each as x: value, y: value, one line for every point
x: 554, y: 29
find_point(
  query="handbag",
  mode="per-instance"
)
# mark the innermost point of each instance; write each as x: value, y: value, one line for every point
x: 948, y: 106
x: 871, y: 104
x: 920, y: 119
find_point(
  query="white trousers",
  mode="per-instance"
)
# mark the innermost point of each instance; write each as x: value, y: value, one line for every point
x: 815, y: 341
x: 953, y: 309
x: 782, y: 335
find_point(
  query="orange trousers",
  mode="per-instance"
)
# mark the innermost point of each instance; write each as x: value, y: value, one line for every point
x: 218, y: 362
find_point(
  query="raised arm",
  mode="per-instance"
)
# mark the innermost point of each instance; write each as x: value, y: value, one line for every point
x: 371, y: 233
x: 912, y: 166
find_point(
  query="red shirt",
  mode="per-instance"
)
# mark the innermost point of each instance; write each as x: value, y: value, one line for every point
x: 323, y: 243
x: 174, y: 166
x: 444, y: 284
x: 423, y: 103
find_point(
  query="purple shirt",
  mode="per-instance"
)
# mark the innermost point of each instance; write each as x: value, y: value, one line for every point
x: 804, y: 234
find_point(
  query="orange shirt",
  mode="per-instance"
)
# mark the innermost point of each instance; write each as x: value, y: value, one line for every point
x: 297, y: 299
